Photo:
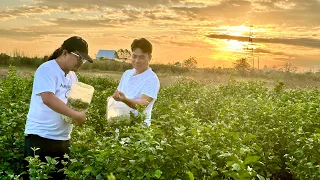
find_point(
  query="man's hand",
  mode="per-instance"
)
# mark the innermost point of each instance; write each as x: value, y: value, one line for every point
x: 132, y: 103
x: 60, y: 107
x: 119, y: 96
x: 79, y: 117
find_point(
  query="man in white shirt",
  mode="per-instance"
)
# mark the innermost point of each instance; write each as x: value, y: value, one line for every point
x: 140, y: 85
x: 45, y: 127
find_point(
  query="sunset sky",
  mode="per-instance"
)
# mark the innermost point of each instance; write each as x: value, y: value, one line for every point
x: 215, y: 32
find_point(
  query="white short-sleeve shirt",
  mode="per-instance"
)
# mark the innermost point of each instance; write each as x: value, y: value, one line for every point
x: 133, y: 86
x: 41, y: 119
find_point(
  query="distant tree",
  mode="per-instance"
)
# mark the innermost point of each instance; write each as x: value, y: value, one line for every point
x: 289, y: 68
x: 190, y: 62
x: 241, y: 64
x: 177, y: 64
x: 116, y: 55
x: 45, y: 58
x: 123, y: 54
x: 4, y: 59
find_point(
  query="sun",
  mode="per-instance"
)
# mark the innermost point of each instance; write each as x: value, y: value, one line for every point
x: 234, y: 46
x: 235, y: 33
x: 236, y: 30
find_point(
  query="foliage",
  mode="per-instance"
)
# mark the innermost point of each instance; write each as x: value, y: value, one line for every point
x: 77, y: 104
x: 41, y: 170
x: 241, y: 64
x: 191, y: 62
x: 233, y: 131
x: 123, y: 54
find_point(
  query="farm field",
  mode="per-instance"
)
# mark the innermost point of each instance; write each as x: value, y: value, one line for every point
x: 233, y: 130
x: 239, y: 95
x: 211, y: 77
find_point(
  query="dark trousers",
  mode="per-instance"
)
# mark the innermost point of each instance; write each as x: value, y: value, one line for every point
x: 48, y: 147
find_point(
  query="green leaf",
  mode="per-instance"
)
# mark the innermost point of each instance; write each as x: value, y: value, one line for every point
x: 6, y: 164
x: 214, y: 173
x: 191, y: 177
x: 248, y: 138
x: 260, y: 177
x: 111, y: 177
x: 148, y: 175
x: 230, y: 163
x: 88, y: 169
x: 251, y: 159
x: 236, y: 167
x: 158, y: 173
x: 99, y: 177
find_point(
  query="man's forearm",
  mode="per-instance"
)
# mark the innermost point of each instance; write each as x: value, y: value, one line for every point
x: 134, y: 102
x: 57, y: 105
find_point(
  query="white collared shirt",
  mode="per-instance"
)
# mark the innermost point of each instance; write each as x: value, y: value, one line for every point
x: 133, y: 86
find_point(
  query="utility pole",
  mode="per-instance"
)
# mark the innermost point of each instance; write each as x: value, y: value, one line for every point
x: 249, y: 51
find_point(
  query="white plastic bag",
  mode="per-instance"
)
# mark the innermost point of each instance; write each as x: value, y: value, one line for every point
x: 79, y: 98
x: 117, y: 112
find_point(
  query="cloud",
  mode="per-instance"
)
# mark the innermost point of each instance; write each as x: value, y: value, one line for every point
x: 224, y: 10
x: 293, y: 12
x: 106, y: 3
x: 19, y: 34
x: 190, y: 44
x: 306, y: 42
x: 232, y: 12
x: 304, y: 61
x: 184, y: 23
x: 299, y: 12
x: 24, y: 11
x: 34, y: 33
x: 84, y: 23
x: 266, y: 51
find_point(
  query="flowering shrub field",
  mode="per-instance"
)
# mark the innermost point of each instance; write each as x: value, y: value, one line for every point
x: 233, y: 131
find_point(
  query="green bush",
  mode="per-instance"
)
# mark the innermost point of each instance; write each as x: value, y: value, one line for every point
x: 233, y: 131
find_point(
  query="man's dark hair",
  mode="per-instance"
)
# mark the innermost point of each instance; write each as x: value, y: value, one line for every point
x: 143, y: 44
x: 55, y: 54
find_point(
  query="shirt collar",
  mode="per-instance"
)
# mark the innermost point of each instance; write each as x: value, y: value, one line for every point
x: 60, y: 70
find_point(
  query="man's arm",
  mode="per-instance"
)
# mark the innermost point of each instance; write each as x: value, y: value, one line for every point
x: 58, y: 106
x: 143, y: 101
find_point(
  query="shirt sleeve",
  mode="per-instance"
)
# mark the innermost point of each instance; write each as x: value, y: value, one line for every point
x: 44, y: 81
x: 151, y: 88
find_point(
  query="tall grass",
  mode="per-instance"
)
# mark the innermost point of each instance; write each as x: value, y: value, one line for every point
x: 19, y: 59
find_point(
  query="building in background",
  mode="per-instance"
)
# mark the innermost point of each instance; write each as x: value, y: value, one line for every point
x: 107, y: 54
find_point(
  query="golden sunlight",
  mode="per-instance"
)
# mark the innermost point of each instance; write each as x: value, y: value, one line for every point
x: 237, y: 30
x: 234, y: 46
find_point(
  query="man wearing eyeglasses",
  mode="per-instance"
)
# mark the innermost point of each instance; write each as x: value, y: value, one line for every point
x: 140, y: 85
x: 45, y: 127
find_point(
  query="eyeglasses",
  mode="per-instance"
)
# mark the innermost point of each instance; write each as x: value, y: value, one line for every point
x: 79, y: 57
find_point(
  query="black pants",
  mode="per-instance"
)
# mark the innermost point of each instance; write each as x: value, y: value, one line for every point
x: 48, y: 147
